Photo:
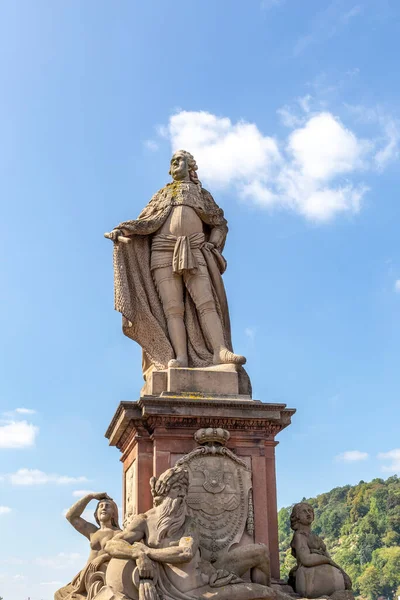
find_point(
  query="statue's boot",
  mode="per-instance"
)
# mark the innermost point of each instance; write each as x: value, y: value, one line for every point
x: 177, y: 334
x: 213, y: 326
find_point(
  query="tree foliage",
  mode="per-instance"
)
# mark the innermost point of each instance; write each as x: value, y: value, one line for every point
x: 361, y: 527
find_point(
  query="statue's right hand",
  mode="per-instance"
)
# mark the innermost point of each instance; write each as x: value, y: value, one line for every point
x: 100, y: 496
x: 145, y: 566
x: 114, y: 235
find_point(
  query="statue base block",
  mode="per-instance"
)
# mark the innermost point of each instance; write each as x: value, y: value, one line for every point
x: 219, y: 379
x: 156, y: 431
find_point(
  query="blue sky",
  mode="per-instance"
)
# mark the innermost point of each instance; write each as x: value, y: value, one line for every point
x: 292, y: 112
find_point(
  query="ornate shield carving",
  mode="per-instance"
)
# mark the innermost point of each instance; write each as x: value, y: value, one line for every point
x: 219, y: 494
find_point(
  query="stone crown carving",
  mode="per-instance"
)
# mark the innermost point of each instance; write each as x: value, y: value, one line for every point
x: 212, y: 435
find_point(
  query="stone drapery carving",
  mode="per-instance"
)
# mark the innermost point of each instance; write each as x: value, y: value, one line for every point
x: 168, y: 283
x: 316, y: 574
x: 89, y: 581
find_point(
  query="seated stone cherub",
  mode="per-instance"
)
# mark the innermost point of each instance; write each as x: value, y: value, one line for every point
x: 316, y: 574
x: 89, y: 581
x: 158, y: 555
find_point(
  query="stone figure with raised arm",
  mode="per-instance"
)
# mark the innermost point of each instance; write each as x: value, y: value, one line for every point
x: 168, y: 283
x: 90, y: 580
x: 158, y: 555
x: 316, y: 574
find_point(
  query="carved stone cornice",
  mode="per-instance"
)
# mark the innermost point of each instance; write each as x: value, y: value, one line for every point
x: 174, y: 412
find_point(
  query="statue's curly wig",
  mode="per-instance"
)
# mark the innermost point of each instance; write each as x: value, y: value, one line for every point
x: 191, y: 164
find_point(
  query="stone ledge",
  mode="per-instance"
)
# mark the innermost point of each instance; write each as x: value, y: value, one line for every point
x: 179, y: 410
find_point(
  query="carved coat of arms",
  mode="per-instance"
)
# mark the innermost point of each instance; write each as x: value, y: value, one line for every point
x: 219, y: 495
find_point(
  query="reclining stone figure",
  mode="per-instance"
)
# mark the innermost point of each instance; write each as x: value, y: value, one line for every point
x: 158, y: 555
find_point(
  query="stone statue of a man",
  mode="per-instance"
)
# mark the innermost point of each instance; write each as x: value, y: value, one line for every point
x: 168, y: 283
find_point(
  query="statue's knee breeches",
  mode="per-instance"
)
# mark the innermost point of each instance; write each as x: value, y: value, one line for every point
x: 199, y: 287
x: 170, y: 290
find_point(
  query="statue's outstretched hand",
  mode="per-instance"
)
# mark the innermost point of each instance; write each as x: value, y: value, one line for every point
x: 101, y: 496
x: 114, y: 235
x: 117, y: 235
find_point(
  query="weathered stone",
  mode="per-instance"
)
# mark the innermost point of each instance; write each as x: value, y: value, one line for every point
x: 176, y: 243
x: 91, y: 579
x: 158, y: 431
x: 203, y: 381
x: 158, y: 554
x: 316, y: 574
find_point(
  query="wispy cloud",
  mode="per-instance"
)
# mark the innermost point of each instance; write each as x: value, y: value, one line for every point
x: 25, y: 411
x: 36, y: 477
x: 393, y: 456
x: 17, y: 434
x: 352, y: 456
x: 326, y: 24
x: 250, y: 332
x: 151, y: 145
x: 63, y: 560
x: 350, y: 14
x: 81, y: 493
x: 387, y: 142
x: 5, y: 510
x: 397, y: 286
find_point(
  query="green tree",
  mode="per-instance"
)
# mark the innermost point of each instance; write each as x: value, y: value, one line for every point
x: 369, y: 583
x: 387, y: 562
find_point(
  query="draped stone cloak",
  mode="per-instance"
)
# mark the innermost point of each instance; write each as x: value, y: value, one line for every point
x: 135, y: 293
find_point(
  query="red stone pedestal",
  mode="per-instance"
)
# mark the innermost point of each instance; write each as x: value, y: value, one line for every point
x: 156, y: 431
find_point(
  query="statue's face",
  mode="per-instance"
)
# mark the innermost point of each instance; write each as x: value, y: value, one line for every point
x: 305, y: 514
x: 105, y: 511
x: 179, y: 167
x: 177, y: 490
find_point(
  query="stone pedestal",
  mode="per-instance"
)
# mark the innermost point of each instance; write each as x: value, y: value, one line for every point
x: 154, y: 432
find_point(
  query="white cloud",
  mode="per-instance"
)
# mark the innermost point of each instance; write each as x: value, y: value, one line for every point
x: 4, y: 510
x: 387, y: 144
x: 307, y: 173
x: 289, y: 117
x: 81, y: 493
x: 151, y: 145
x: 61, y: 561
x: 390, y: 150
x: 25, y: 411
x: 353, y: 12
x: 304, y: 102
x: 324, y: 148
x: 227, y: 152
x: 397, y: 286
x: 352, y: 456
x: 393, y: 456
x: 17, y: 434
x: 36, y: 477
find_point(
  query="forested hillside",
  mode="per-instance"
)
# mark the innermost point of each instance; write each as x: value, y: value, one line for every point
x: 361, y: 527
